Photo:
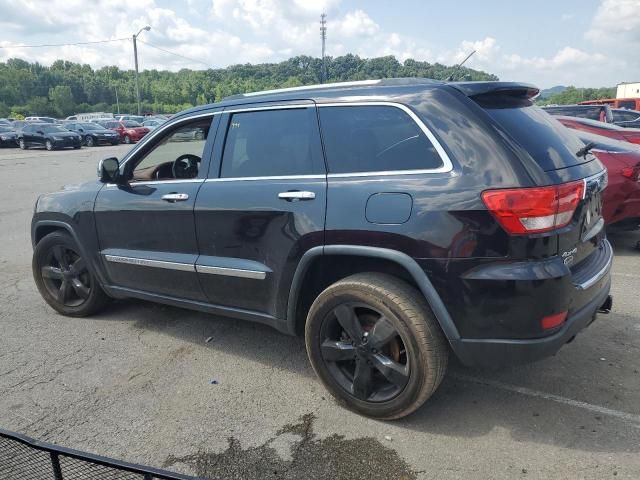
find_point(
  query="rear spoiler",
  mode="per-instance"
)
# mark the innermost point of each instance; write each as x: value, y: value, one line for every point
x: 509, y: 89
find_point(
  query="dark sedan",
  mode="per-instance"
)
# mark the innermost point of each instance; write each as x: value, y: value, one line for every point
x: 8, y: 136
x: 93, y: 134
x: 48, y: 136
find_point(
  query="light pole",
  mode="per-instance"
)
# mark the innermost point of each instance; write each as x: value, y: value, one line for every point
x: 135, y: 58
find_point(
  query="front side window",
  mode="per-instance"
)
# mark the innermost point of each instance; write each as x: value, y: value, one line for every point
x: 272, y: 143
x: 177, y: 155
x: 374, y: 138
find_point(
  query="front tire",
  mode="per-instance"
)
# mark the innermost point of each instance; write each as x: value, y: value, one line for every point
x: 127, y: 139
x: 376, y: 346
x: 89, y: 141
x: 48, y: 145
x: 63, y: 277
x: 22, y: 144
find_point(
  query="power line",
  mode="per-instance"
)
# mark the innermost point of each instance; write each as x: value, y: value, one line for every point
x: 174, y: 53
x: 64, y: 44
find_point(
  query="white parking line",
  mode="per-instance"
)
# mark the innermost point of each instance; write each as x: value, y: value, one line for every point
x: 627, y: 275
x: 628, y: 417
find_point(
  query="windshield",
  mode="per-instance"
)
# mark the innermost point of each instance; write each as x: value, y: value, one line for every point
x: 89, y: 126
x: 130, y: 124
x: 51, y: 129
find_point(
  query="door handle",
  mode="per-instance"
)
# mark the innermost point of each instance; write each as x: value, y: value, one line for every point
x: 175, y: 197
x: 296, y: 195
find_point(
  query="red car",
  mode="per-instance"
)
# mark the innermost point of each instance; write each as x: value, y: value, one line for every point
x: 621, y: 199
x: 129, y: 131
x: 600, y: 128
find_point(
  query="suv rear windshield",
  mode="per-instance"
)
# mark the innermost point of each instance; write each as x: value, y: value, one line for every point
x: 547, y: 141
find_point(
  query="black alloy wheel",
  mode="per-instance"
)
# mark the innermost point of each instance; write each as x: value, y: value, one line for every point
x: 375, y: 344
x: 364, y: 353
x: 66, y: 277
x: 89, y: 141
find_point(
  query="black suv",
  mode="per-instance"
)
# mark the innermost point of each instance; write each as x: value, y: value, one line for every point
x: 390, y: 222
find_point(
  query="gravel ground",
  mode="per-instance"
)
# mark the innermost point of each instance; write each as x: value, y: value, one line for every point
x: 135, y: 383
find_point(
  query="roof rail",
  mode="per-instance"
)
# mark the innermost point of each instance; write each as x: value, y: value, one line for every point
x: 308, y: 87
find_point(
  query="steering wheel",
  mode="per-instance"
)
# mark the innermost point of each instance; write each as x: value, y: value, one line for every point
x: 185, y: 166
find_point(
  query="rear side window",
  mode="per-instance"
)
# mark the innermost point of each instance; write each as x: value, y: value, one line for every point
x: 546, y: 140
x: 272, y: 143
x: 374, y: 138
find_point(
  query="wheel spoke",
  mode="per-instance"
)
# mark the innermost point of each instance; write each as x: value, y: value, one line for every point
x: 64, y: 291
x: 60, y: 256
x: 336, y: 351
x: 395, y: 372
x: 382, y: 333
x: 81, y: 290
x: 349, y: 322
x: 53, y: 273
x: 78, y: 267
x: 362, y: 380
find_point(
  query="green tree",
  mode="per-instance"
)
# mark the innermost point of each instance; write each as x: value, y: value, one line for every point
x: 62, y: 99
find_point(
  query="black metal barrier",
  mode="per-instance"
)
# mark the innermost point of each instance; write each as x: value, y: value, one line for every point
x: 23, y: 458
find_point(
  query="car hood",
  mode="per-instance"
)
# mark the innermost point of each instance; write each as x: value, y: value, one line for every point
x: 61, y: 134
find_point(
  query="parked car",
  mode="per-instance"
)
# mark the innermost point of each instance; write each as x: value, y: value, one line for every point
x: 134, y: 118
x: 52, y: 137
x: 19, y: 124
x: 41, y: 119
x: 152, y: 124
x: 129, y: 131
x: 403, y: 234
x: 626, y: 118
x: 615, y: 132
x: 101, y: 121
x: 621, y: 199
x: 8, y: 136
x: 93, y: 134
x: 86, y: 117
x: 601, y: 113
x: 5, y: 121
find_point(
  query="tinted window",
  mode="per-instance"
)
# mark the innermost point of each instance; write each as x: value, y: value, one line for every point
x: 373, y: 139
x: 625, y: 116
x: 177, y: 154
x: 272, y: 142
x: 627, y: 104
x: 549, y: 143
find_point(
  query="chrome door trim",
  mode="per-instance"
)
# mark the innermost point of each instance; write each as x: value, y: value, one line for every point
x: 144, y: 262
x: 272, y: 177
x: 159, y: 182
x: 231, y: 272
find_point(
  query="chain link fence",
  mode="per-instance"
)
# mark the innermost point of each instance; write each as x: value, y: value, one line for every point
x: 22, y: 458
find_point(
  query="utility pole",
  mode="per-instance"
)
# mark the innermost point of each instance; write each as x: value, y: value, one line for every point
x: 135, y: 58
x: 323, y: 36
x: 117, y: 102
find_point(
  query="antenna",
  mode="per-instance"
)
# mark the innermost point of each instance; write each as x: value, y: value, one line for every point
x: 457, y: 67
x: 323, y: 36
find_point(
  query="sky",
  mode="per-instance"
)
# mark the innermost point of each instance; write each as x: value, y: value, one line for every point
x: 586, y: 43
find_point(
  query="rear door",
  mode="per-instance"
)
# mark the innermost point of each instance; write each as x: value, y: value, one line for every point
x: 262, y: 206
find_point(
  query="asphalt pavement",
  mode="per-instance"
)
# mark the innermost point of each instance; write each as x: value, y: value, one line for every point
x: 140, y: 382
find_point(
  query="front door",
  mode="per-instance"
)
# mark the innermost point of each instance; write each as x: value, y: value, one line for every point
x: 262, y: 207
x: 146, y: 227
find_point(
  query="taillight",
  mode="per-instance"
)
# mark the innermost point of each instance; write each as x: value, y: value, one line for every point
x: 553, y: 321
x: 534, y: 210
x: 632, y: 173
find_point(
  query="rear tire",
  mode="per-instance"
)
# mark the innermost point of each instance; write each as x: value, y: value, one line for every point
x: 64, y: 278
x: 414, y: 361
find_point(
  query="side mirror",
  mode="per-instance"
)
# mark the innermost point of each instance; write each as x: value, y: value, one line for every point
x: 109, y: 170
x: 40, y: 132
x: 81, y: 129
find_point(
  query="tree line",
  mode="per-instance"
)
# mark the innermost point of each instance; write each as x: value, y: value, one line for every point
x: 573, y: 95
x: 65, y: 88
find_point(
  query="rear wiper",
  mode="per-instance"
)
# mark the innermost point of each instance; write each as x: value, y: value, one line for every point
x: 585, y: 150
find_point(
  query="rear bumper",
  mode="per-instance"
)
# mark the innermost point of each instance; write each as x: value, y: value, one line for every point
x: 491, y: 353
